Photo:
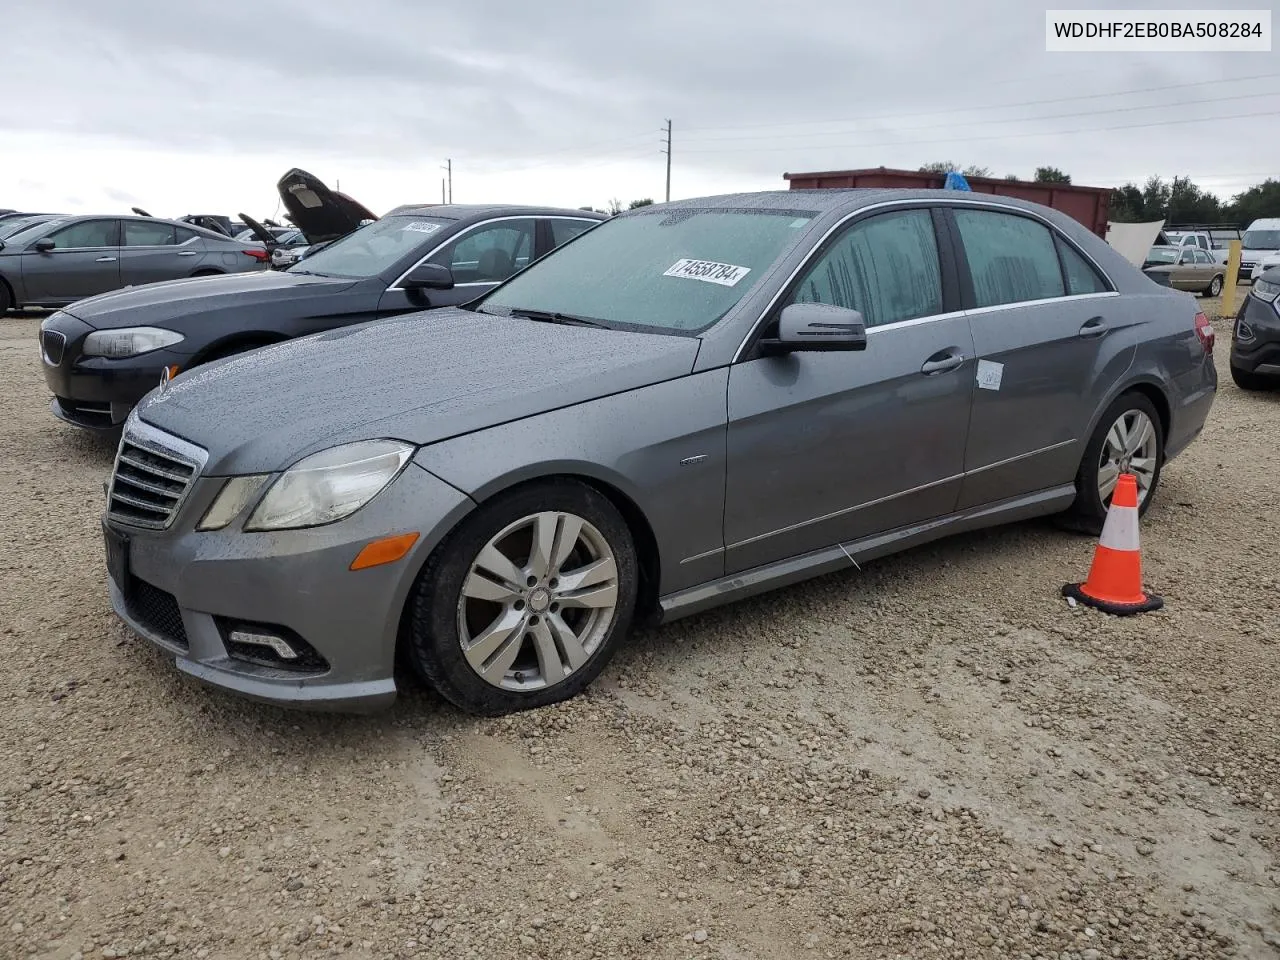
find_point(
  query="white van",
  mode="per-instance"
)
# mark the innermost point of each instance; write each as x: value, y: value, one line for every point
x: 1259, y: 248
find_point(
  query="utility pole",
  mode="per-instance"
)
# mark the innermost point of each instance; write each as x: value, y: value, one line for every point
x: 448, y: 165
x: 443, y: 199
x: 667, y: 151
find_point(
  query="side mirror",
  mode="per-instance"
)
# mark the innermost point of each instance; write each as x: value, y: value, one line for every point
x: 428, y: 276
x: 804, y: 327
x: 44, y: 246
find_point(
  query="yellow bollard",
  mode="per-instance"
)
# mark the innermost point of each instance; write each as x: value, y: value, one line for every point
x: 1229, y: 284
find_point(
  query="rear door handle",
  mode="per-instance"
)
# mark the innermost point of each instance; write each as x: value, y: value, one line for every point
x: 942, y: 362
x: 186, y: 253
x: 105, y: 260
x: 1093, y: 327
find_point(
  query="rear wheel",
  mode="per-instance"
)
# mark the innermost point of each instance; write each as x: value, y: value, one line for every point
x: 1129, y: 438
x: 1215, y: 287
x: 525, y: 603
x: 207, y: 273
x: 1253, y: 381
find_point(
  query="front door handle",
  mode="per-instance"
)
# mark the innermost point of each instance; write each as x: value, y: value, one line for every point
x: 105, y: 260
x: 1093, y: 327
x: 187, y: 253
x: 942, y: 362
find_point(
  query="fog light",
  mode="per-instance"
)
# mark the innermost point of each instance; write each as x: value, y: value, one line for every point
x: 269, y: 640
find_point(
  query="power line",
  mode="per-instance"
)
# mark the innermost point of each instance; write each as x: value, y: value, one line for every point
x: 997, y: 106
x: 1005, y: 136
x: 1053, y: 116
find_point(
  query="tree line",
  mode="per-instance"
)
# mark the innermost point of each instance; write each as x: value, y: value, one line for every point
x: 1175, y: 201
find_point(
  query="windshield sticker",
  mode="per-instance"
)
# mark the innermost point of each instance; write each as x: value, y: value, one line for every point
x: 799, y: 222
x: 725, y: 274
x: 422, y: 226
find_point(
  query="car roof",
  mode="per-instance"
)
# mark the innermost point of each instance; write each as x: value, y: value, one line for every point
x: 477, y: 211
x: 1265, y: 223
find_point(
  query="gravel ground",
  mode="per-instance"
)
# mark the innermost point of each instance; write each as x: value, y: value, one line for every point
x: 935, y: 757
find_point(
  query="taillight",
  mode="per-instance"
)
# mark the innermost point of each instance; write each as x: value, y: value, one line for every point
x: 260, y: 255
x: 1204, y: 330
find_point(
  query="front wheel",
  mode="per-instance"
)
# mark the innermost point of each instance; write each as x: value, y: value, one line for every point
x: 1129, y: 438
x: 525, y: 603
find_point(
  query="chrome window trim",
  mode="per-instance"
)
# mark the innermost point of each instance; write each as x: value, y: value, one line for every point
x: 927, y: 203
x: 458, y: 236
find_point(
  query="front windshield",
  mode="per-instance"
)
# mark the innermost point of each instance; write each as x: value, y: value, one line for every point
x: 373, y: 248
x: 1157, y: 255
x: 31, y: 232
x: 9, y: 228
x: 1261, y: 240
x: 665, y: 271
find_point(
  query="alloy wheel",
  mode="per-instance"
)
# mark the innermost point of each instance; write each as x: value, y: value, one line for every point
x: 537, y: 601
x: 1131, y: 446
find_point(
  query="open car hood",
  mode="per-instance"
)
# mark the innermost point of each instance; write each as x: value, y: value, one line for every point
x: 320, y: 213
x: 262, y: 233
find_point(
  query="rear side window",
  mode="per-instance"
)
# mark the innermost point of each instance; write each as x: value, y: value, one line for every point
x: 1012, y: 259
x: 139, y: 233
x: 885, y: 267
x: 182, y: 235
x: 1080, y: 274
x: 562, y: 231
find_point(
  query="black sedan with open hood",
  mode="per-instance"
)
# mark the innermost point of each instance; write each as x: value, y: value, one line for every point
x: 103, y: 354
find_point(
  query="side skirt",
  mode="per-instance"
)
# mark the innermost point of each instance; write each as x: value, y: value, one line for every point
x: 783, y: 573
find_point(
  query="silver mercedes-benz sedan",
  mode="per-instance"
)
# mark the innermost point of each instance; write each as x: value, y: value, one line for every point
x: 687, y: 405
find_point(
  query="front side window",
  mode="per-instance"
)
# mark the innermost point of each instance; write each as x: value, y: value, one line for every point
x: 1012, y: 259
x: 86, y: 234
x: 375, y: 248
x: 885, y: 267
x: 489, y: 253
x: 660, y: 270
x: 139, y: 233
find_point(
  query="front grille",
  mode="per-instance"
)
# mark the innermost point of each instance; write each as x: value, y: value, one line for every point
x: 157, y: 611
x: 52, y: 346
x: 153, y: 474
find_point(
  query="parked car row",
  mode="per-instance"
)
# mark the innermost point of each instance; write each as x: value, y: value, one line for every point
x: 497, y: 437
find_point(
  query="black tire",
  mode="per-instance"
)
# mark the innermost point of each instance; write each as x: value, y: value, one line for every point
x: 207, y: 273
x: 1215, y: 287
x: 434, y: 644
x: 6, y: 298
x: 1253, y: 381
x: 1089, y: 511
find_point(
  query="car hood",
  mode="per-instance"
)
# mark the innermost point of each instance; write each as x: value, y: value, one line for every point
x: 157, y: 303
x: 319, y: 212
x: 420, y: 377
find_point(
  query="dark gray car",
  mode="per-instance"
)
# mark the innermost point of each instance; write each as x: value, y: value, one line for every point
x: 60, y: 261
x: 689, y: 404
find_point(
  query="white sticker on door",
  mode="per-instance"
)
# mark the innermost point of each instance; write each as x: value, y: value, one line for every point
x: 990, y: 374
x: 421, y: 226
x: 725, y: 274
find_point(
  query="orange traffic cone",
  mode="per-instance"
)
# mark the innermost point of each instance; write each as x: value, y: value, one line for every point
x: 1115, y: 579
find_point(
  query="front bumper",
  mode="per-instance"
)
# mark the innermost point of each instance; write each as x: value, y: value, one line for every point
x: 96, y: 393
x: 186, y: 591
x: 1259, y: 354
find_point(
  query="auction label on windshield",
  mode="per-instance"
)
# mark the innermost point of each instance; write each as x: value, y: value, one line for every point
x: 725, y: 274
x: 422, y: 226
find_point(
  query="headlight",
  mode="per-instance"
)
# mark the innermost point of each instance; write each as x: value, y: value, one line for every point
x: 128, y: 342
x: 1266, y: 290
x: 330, y: 485
x: 234, y: 496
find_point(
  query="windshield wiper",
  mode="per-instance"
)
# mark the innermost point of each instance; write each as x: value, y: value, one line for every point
x: 548, y: 316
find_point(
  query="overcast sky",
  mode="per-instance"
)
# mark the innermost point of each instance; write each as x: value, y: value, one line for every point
x: 199, y: 108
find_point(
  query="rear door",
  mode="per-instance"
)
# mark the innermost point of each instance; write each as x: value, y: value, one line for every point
x: 1042, y: 317
x: 150, y: 252
x: 84, y: 262
x: 828, y: 448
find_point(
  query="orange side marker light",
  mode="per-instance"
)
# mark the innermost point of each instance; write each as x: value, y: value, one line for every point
x: 386, y: 550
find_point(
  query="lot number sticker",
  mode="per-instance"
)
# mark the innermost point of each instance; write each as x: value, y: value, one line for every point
x: 725, y: 274
x: 990, y: 374
x: 421, y: 226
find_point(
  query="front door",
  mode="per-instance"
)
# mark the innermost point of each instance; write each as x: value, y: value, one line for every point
x: 827, y: 448
x: 84, y: 262
x: 1043, y: 323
